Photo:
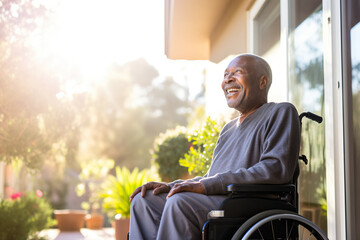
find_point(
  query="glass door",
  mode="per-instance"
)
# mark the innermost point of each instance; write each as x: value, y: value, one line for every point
x: 306, y: 92
x: 351, y: 78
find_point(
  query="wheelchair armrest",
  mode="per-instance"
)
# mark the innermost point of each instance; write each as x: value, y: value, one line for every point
x: 261, y: 188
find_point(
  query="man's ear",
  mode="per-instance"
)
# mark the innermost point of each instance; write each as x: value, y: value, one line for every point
x: 263, y: 82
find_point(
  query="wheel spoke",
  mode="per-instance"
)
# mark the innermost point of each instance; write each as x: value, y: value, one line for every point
x: 292, y: 226
x: 261, y: 234
x: 311, y: 233
x: 286, y: 228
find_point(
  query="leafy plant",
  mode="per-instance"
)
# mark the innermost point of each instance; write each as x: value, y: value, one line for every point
x: 24, y: 215
x: 168, y: 149
x: 117, y: 190
x: 92, y: 175
x: 203, y: 142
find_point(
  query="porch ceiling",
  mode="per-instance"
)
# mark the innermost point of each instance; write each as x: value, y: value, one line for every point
x: 188, y: 27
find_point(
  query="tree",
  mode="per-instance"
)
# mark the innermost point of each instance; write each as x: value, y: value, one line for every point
x: 27, y: 89
x: 129, y: 110
x: 168, y: 103
x: 42, y: 125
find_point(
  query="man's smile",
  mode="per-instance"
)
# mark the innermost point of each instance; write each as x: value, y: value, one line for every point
x: 229, y: 91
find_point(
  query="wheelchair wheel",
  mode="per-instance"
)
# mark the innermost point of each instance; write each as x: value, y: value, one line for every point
x: 278, y: 224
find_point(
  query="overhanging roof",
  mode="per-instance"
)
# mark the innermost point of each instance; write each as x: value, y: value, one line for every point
x: 188, y: 27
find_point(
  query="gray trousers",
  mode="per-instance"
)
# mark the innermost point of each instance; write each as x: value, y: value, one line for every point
x: 180, y: 217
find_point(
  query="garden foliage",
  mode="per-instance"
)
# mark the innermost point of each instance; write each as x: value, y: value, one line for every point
x: 92, y: 175
x: 203, y: 141
x: 169, y: 148
x: 23, y: 216
x: 117, y: 190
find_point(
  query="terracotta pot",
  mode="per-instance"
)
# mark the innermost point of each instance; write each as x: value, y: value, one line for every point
x: 94, y: 221
x: 70, y: 220
x: 121, y: 228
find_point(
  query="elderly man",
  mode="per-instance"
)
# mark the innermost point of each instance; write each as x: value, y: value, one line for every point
x: 260, y: 146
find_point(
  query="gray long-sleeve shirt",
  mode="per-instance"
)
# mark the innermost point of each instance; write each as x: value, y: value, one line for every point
x: 263, y: 148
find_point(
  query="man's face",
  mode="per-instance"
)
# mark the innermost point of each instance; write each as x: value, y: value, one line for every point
x: 240, y: 87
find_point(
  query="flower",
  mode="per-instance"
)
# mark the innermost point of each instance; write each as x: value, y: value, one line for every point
x: 15, y: 195
x: 39, y: 193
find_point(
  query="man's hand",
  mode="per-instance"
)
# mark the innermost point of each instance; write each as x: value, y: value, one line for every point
x: 196, y: 187
x: 158, y: 187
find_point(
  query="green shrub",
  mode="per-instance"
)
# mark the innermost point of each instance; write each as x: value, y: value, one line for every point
x: 203, y: 142
x: 24, y: 216
x: 169, y: 148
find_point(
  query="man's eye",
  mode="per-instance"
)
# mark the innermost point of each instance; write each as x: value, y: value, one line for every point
x: 238, y: 71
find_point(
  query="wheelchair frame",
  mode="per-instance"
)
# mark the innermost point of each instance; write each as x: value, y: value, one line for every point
x: 269, y: 212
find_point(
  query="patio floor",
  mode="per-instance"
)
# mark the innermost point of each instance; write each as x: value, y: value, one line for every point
x: 84, y: 234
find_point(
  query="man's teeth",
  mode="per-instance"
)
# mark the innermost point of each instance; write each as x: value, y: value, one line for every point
x: 232, y: 90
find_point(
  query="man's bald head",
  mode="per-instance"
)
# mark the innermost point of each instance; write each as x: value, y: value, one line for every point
x: 259, y: 67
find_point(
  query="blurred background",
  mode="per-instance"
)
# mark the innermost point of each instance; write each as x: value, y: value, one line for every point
x: 84, y: 81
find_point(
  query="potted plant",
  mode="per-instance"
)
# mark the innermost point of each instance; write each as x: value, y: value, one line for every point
x: 116, y: 192
x: 70, y: 220
x: 92, y: 175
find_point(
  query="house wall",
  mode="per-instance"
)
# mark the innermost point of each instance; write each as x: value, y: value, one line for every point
x: 225, y: 44
x: 230, y: 34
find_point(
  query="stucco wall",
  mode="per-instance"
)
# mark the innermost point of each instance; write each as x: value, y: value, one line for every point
x: 230, y: 34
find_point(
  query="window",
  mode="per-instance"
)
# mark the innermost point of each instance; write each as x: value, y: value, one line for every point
x: 306, y: 92
x: 265, y: 32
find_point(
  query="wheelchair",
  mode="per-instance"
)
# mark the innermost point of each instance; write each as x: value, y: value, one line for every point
x: 265, y: 211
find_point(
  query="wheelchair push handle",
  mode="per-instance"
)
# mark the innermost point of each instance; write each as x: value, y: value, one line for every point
x: 311, y: 116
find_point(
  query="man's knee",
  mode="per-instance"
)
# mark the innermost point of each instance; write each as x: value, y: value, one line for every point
x: 138, y: 200
x: 181, y: 201
x: 149, y: 202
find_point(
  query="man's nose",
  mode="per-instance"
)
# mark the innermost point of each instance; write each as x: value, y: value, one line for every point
x: 228, y: 78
